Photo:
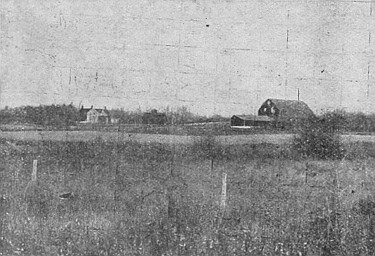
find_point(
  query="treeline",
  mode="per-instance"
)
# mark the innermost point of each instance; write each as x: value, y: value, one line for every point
x: 337, y: 121
x: 177, y: 116
x: 318, y: 137
x: 342, y: 121
x: 68, y: 115
x: 43, y: 115
x: 126, y: 117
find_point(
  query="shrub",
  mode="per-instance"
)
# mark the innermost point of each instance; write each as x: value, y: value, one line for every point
x: 208, y: 147
x: 319, y: 138
x: 46, y: 115
x: 350, y: 122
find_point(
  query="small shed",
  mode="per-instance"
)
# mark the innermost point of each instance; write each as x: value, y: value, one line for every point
x: 251, y: 120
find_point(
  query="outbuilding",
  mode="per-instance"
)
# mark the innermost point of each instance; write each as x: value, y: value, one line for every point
x: 244, y: 121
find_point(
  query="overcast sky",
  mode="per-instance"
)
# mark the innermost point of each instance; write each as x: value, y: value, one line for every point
x: 215, y: 57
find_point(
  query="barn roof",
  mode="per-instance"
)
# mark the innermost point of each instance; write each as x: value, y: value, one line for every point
x: 254, y: 118
x: 292, y: 107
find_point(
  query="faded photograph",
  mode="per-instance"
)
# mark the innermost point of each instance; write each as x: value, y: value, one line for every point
x: 187, y: 127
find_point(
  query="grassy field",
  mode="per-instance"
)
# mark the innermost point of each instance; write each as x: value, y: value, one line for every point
x: 85, y: 136
x: 213, y: 129
x: 209, y: 128
x: 114, y: 137
x: 162, y: 199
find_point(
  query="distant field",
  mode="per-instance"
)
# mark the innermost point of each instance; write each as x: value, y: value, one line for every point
x: 190, y: 129
x: 160, y: 138
x: 210, y: 128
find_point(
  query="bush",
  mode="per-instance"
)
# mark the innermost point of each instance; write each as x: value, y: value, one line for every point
x: 46, y: 115
x: 350, y: 122
x: 319, y: 138
x: 208, y: 147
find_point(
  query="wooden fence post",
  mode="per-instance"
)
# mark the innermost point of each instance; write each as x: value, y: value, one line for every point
x: 223, y: 198
x: 35, y: 169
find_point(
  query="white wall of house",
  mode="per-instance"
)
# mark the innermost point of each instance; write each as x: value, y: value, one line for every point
x: 92, y: 116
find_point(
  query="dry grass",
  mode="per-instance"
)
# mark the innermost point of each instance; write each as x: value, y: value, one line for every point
x: 154, y: 199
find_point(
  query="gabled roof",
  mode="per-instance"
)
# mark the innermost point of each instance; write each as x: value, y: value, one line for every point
x: 292, y: 107
x: 254, y: 118
x: 83, y: 110
x: 100, y: 110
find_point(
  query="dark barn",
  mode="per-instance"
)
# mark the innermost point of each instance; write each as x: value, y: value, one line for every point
x: 286, y: 111
x: 154, y: 117
x: 251, y: 120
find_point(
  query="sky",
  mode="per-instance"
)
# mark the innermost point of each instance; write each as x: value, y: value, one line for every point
x: 214, y: 57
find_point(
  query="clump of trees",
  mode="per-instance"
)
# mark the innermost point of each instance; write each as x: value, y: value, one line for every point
x: 350, y: 122
x: 127, y: 117
x: 44, y: 115
x: 318, y: 137
x: 182, y: 115
x: 176, y: 116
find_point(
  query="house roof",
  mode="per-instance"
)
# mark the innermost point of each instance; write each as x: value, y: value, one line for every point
x: 292, y: 107
x: 254, y: 118
x: 100, y: 110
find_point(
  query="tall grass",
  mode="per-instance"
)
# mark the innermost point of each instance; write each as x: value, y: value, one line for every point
x: 157, y: 199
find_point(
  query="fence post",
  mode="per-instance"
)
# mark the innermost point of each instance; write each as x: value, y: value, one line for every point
x: 35, y: 169
x: 223, y: 198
